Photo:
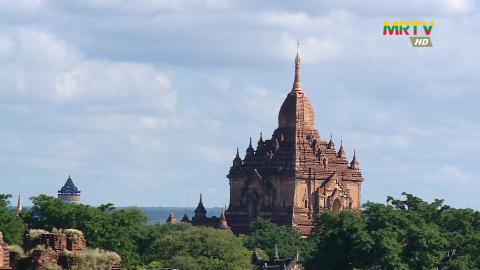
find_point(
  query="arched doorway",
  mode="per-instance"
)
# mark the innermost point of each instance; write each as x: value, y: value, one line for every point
x: 337, y: 206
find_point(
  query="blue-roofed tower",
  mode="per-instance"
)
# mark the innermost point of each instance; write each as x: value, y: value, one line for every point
x: 69, y: 192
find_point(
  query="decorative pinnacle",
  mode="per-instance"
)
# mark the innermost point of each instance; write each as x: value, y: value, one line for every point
x: 238, y: 155
x: 200, y: 198
x: 250, y: 145
x: 354, y: 164
x: 275, y: 255
x: 297, y: 85
x: 297, y: 58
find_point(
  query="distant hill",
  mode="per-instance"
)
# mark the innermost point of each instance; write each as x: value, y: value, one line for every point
x: 160, y: 214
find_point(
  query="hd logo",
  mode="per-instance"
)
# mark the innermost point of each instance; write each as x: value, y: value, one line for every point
x: 402, y: 28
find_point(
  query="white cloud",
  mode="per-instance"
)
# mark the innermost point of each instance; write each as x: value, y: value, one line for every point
x: 115, y: 81
x: 214, y: 154
x: 153, y: 122
x: 46, y: 68
x: 459, y: 6
x: 382, y: 117
x: 95, y: 69
x: 261, y: 103
x: 448, y: 174
x: 6, y: 47
x: 21, y: 5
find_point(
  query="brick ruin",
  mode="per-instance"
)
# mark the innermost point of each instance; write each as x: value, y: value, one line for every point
x: 4, y: 255
x: 46, y: 250
x: 294, y: 175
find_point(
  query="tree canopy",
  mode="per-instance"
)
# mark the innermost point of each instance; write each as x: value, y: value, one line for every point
x: 11, y: 226
x: 200, y: 248
x: 405, y: 233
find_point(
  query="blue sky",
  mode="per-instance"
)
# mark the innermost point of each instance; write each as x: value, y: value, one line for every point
x: 144, y: 102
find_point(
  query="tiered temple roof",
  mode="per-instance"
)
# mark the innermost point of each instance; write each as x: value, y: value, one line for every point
x: 200, y: 218
x: 296, y: 145
x: 296, y: 171
x: 69, y: 188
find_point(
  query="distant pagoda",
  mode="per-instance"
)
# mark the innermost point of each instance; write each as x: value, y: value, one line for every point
x: 69, y: 192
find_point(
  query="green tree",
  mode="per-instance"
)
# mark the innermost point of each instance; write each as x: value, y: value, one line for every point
x: 11, y: 226
x: 201, y: 248
x: 266, y: 234
x: 406, y: 233
x: 153, y: 233
x: 342, y: 241
x: 104, y: 226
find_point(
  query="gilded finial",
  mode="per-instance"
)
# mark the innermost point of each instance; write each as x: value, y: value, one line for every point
x: 297, y: 85
x: 297, y: 58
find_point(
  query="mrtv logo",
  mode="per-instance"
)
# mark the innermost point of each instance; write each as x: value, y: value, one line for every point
x: 418, y: 31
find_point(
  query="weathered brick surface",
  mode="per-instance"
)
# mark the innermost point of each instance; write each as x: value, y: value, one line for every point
x: 294, y: 175
x: 47, y: 251
x: 4, y: 254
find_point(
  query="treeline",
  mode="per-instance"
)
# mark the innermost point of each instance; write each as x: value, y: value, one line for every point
x: 406, y: 233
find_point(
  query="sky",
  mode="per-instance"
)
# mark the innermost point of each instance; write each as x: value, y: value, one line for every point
x: 144, y: 102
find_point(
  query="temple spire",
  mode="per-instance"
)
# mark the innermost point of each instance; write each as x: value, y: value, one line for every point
x: 200, y: 211
x: 331, y: 144
x: 222, y: 221
x: 19, y: 205
x: 171, y: 218
x: 185, y: 218
x: 341, y: 152
x: 237, y: 161
x: 297, y: 85
x: 354, y: 164
x: 250, y: 151
x: 275, y: 253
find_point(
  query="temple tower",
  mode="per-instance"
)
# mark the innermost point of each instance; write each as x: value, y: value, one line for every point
x: 295, y: 174
x: 69, y: 192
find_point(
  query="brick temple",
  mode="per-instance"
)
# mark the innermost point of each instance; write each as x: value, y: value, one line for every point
x: 294, y: 175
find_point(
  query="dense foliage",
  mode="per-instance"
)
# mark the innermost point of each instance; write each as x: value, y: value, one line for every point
x: 11, y: 226
x: 406, y: 233
x: 202, y: 249
x: 266, y: 234
x: 103, y: 226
